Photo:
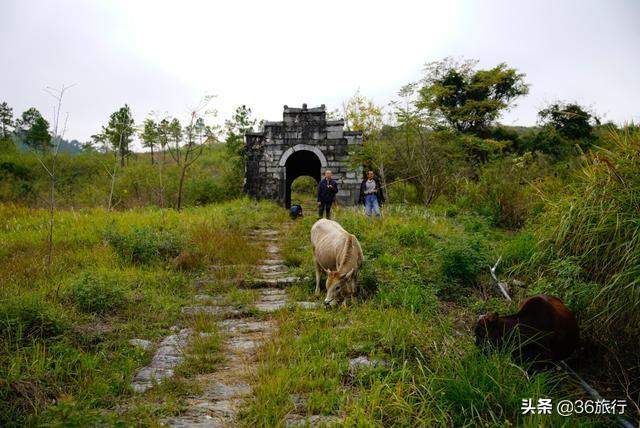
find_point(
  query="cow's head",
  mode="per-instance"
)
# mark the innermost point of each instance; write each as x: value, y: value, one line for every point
x: 489, y: 329
x: 337, y: 286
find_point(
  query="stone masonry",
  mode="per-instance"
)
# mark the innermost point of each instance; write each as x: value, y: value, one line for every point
x: 303, y: 143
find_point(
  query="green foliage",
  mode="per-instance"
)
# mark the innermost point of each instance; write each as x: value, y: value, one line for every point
x: 406, y: 290
x: 506, y: 189
x: 16, y: 182
x: 28, y: 317
x: 361, y: 114
x: 143, y: 245
x: 463, y: 260
x: 369, y: 279
x: 465, y: 99
x: 204, y: 189
x: 98, y: 293
x: 566, y: 130
x: 571, y: 120
x: 61, y: 365
x: 303, y: 189
x: 6, y: 120
x: 82, y: 180
x: 569, y: 280
x: 33, y: 130
x: 414, y: 235
x: 596, y: 226
x: 150, y: 135
x: 240, y: 124
x: 119, y: 131
x: 489, y: 388
x: 519, y: 250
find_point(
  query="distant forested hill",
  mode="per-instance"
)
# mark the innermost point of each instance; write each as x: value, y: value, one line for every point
x: 66, y: 146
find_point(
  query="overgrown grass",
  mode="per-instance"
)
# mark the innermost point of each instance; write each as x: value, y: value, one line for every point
x: 65, y: 360
x: 589, y: 242
x: 425, y: 280
x: 82, y: 180
x: 64, y: 352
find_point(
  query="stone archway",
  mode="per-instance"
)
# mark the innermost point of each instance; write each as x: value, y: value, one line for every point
x: 297, y: 164
x: 298, y: 147
x: 304, y: 142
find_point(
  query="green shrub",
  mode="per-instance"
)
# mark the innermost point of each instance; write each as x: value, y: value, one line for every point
x: 409, y: 294
x: 98, y: 293
x: 503, y: 191
x: 477, y: 388
x: 569, y: 281
x: 413, y: 235
x: 204, y: 190
x: 474, y: 223
x: 518, y: 250
x: 597, y: 228
x: 16, y: 181
x: 303, y: 187
x: 143, y: 245
x: 368, y: 280
x: 463, y: 259
x: 27, y: 317
x: 374, y: 249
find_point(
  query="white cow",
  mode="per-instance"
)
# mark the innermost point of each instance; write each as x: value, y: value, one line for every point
x: 338, y: 253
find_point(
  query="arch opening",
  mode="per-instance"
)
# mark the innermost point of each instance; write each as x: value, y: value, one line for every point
x: 298, y: 164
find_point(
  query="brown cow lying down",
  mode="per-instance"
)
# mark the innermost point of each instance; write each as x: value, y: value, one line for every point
x: 547, y: 329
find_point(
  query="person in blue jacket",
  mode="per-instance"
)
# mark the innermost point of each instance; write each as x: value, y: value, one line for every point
x: 327, y: 189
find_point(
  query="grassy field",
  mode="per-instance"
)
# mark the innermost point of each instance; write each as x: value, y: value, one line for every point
x: 84, y: 181
x: 116, y: 276
x: 64, y: 352
x: 425, y: 284
x: 65, y: 357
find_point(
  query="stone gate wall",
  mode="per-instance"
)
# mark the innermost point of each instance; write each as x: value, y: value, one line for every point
x: 301, y: 129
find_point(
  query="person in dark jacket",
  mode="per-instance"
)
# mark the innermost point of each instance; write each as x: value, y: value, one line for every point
x: 371, y: 195
x: 327, y: 189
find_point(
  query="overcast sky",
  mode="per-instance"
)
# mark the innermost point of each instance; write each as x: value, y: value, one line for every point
x: 164, y: 56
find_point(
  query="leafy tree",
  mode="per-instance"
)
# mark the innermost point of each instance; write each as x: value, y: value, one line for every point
x: 175, y: 137
x: 195, y: 134
x: 150, y: 135
x: 563, y: 127
x: 361, y: 114
x: 100, y: 140
x: 571, y: 120
x: 119, y: 131
x: 38, y: 136
x: 88, y: 147
x: 6, y: 121
x: 468, y: 100
x: 163, y: 136
x: 430, y: 160
x: 26, y: 120
x: 33, y: 130
x: 236, y: 127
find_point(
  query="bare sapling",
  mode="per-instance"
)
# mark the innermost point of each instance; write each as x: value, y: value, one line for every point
x: 49, y: 164
x: 186, y: 152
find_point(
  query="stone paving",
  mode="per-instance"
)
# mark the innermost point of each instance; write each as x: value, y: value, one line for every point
x: 226, y: 389
x: 168, y: 355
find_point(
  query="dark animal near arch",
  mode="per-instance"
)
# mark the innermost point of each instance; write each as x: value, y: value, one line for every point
x: 295, y: 211
x: 547, y: 329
